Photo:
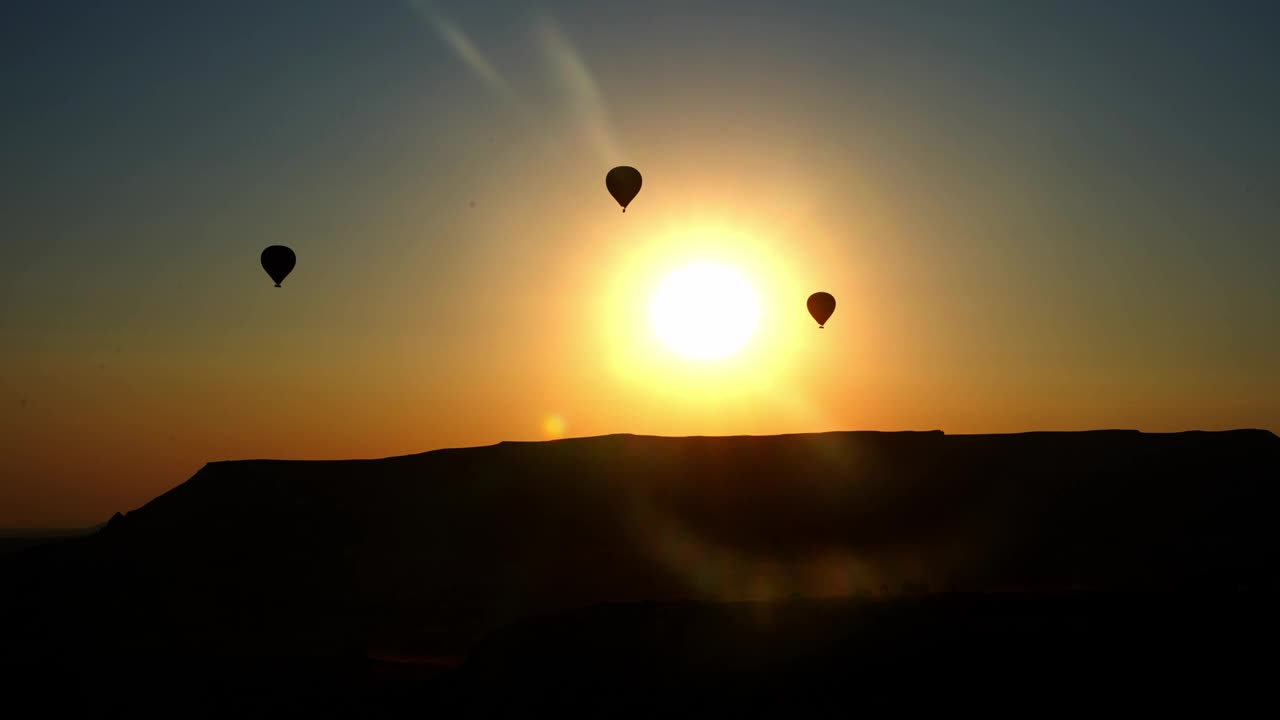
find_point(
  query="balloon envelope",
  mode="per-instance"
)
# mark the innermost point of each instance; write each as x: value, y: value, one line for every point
x: 278, y: 261
x: 821, y: 305
x: 624, y: 184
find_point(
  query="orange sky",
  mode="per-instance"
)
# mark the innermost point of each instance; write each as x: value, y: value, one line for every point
x: 1000, y: 264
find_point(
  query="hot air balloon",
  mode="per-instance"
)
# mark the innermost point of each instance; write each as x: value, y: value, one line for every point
x: 821, y: 305
x: 624, y: 184
x: 278, y: 261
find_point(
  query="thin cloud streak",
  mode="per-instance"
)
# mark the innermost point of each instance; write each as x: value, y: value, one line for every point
x: 584, y: 95
x: 461, y: 45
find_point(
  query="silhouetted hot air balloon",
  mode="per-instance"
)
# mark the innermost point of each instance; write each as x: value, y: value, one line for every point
x: 278, y: 261
x: 821, y: 305
x: 624, y: 184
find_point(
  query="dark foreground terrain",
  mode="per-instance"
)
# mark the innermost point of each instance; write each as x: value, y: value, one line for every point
x: 671, y: 576
x: 1028, y: 654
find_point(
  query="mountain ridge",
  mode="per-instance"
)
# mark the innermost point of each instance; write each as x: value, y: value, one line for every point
x: 608, y: 436
x: 427, y: 553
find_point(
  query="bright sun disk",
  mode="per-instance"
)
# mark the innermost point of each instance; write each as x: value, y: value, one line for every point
x: 705, y: 311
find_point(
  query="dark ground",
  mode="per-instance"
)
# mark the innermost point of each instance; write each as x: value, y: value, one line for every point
x: 610, y: 575
x: 1012, y: 653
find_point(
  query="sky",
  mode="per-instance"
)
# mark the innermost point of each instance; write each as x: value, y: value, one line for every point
x: 1033, y: 215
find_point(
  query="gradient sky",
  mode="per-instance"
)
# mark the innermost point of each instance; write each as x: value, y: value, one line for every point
x: 1034, y: 215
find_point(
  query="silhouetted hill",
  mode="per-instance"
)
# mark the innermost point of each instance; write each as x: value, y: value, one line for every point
x: 741, y: 572
x: 424, y: 554
x: 14, y: 539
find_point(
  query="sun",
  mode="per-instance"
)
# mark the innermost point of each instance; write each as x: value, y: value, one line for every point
x: 705, y: 311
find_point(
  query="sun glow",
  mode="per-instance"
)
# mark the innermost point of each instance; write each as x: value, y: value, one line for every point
x: 705, y: 311
x: 699, y: 320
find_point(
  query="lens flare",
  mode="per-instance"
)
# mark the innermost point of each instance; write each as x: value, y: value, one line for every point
x: 554, y: 426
